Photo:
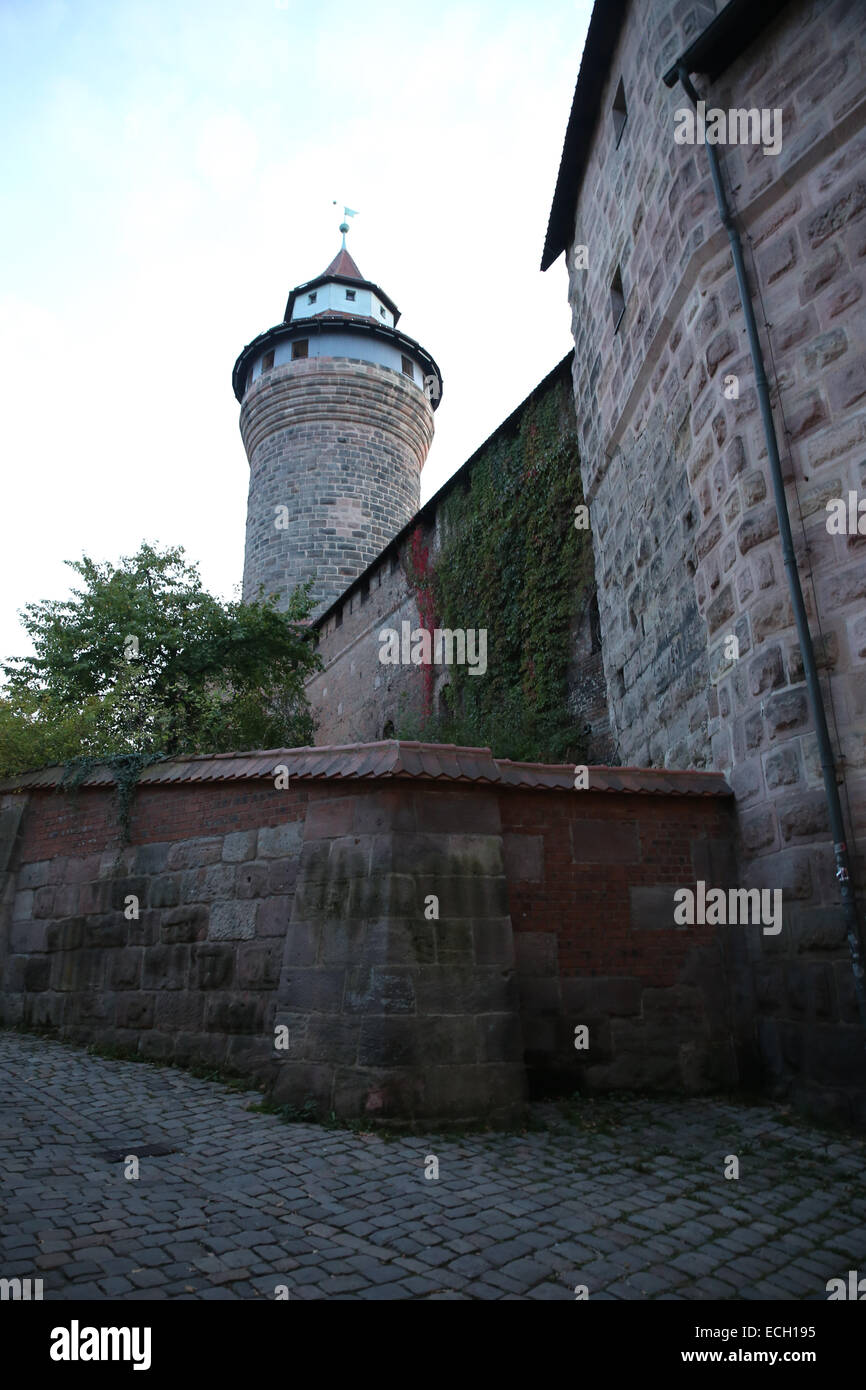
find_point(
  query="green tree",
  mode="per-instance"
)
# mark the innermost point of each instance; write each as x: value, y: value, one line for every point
x: 142, y: 660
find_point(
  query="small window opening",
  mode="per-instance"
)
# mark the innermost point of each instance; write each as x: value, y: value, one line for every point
x: 268, y: 361
x: 338, y: 617
x: 364, y: 590
x: 381, y: 311
x: 620, y: 113
x: 594, y: 626
x: 300, y: 348
x: 350, y: 294
x: 617, y: 298
x: 388, y: 731
x: 408, y: 369
x: 311, y: 298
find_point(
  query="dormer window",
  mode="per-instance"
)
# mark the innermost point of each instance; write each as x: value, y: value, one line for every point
x: 311, y: 298
x: 350, y: 294
x: 381, y: 311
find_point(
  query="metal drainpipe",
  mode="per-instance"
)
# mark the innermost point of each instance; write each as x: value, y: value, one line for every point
x: 816, y: 699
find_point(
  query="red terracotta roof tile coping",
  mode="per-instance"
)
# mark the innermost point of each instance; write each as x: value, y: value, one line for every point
x: 393, y: 758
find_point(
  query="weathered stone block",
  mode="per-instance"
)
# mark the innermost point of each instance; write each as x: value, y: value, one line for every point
x: 166, y: 967
x: 135, y: 1011
x: 212, y: 967
x: 280, y: 841
x: 652, y: 907
x: 192, y: 854
x: 314, y: 991
x: 239, y: 846
x: 805, y: 816
x: 124, y: 967
x: 184, y: 924
x: 232, y: 921
x: 224, y: 1014
x: 209, y: 884
x: 536, y: 953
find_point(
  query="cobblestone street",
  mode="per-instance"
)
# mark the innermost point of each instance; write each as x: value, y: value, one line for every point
x: 625, y: 1197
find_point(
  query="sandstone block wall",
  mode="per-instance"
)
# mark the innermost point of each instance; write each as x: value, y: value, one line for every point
x: 357, y: 698
x: 684, y: 527
x: 393, y: 1011
x: 339, y: 443
x: 428, y: 924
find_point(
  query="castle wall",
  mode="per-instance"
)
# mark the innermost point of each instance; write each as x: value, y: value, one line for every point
x: 357, y: 697
x: 675, y: 471
x: 430, y: 926
x: 339, y: 444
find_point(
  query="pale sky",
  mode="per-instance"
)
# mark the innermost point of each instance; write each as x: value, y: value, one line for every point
x: 169, y: 171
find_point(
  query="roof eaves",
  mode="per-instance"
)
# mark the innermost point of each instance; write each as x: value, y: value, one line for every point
x: 601, y: 40
x: 725, y: 38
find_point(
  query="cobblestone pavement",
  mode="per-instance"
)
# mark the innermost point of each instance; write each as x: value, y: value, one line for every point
x: 627, y: 1197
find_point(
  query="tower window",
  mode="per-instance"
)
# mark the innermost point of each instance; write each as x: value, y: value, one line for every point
x: 268, y: 361
x: 381, y: 311
x: 617, y: 298
x: 300, y: 348
x: 620, y: 114
x: 408, y: 369
x: 350, y: 294
x: 311, y: 298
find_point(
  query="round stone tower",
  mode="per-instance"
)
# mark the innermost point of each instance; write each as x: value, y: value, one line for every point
x: 336, y: 418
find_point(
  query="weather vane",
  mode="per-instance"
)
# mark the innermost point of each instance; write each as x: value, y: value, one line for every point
x: 344, y: 226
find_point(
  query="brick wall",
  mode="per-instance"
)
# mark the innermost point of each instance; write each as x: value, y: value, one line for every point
x: 591, y: 883
x: 340, y: 444
x: 684, y: 529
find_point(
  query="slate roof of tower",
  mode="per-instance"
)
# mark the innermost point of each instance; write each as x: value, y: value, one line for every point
x: 342, y: 264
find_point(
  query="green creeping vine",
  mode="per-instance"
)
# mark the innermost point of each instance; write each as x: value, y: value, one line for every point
x: 513, y: 561
x: 126, y: 768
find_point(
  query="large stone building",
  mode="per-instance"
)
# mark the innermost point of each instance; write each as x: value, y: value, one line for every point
x: 675, y: 459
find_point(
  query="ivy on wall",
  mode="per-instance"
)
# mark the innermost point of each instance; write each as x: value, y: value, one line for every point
x: 512, y: 561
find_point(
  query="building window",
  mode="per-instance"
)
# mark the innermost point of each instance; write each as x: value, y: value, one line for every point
x: 381, y: 311
x: 300, y: 348
x: 617, y: 298
x: 388, y: 730
x: 620, y: 114
x: 268, y: 361
x: 350, y: 294
x: 364, y: 590
x: 338, y: 617
x: 311, y: 298
x: 408, y: 369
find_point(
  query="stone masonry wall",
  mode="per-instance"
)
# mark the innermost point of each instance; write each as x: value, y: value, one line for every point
x: 591, y: 883
x: 259, y: 907
x: 684, y: 527
x: 357, y: 698
x: 340, y: 444
x: 425, y: 941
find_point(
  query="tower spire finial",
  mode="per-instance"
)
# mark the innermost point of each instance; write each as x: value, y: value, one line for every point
x: 344, y: 226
